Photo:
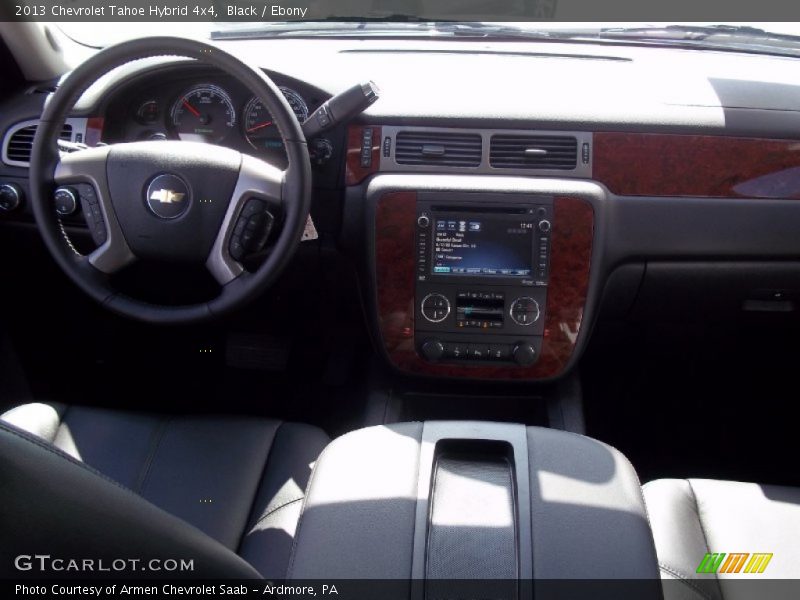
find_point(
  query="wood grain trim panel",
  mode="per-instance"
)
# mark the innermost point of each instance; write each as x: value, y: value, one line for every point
x: 651, y: 164
x: 354, y: 173
x: 570, y: 262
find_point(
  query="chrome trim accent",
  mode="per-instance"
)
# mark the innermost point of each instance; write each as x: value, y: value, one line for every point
x: 511, y: 311
x: 79, y: 125
x: 422, y: 310
x: 388, y: 164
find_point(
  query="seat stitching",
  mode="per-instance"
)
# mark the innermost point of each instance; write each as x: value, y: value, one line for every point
x: 683, y: 579
x: 700, y: 523
x: 290, y: 567
x: 247, y: 527
x: 62, y: 420
x: 699, y: 518
x: 155, y: 443
x: 274, y: 510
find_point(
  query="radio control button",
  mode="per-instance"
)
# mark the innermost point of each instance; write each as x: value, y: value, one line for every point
x: 524, y: 354
x: 524, y: 311
x: 456, y: 350
x: 432, y: 350
x: 423, y: 221
x: 479, y: 352
x: 435, y: 308
x: 545, y: 226
x: 500, y: 352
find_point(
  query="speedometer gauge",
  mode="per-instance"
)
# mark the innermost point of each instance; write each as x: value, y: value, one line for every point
x: 259, y: 127
x: 204, y: 113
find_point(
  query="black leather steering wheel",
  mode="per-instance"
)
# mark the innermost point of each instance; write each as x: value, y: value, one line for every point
x: 172, y: 200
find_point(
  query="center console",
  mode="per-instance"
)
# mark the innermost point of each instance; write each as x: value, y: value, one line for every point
x: 445, y: 501
x: 482, y: 277
x: 482, y: 268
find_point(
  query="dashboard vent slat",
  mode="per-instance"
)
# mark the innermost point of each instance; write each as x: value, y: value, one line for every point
x: 438, y: 148
x: 533, y: 152
x: 20, y: 143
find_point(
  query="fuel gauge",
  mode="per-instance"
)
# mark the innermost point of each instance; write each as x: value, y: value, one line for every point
x: 148, y: 112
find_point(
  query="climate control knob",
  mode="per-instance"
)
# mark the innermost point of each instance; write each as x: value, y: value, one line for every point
x: 435, y: 308
x: 11, y: 196
x: 432, y: 350
x: 524, y: 354
x: 524, y: 311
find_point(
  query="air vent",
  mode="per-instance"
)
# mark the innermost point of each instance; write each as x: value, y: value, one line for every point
x: 438, y: 148
x: 20, y: 142
x: 534, y: 152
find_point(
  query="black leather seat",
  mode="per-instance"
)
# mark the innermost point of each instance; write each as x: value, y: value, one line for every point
x: 68, y: 473
x: 692, y: 517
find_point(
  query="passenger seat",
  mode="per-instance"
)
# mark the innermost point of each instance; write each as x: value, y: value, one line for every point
x: 694, y: 517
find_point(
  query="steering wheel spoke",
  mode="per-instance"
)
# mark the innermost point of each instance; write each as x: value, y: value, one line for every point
x: 254, y: 210
x: 89, y: 167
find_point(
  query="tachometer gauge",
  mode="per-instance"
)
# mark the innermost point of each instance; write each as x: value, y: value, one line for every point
x: 260, y: 129
x: 148, y: 112
x: 203, y: 113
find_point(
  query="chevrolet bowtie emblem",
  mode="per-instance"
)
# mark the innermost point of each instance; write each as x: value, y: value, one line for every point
x: 166, y: 196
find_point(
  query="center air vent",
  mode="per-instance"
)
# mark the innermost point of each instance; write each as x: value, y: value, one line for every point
x: 534, y: 152
x: 17, y: 149
x: 438, y: 148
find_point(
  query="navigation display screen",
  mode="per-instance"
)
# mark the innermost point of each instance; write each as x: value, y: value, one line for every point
x: 482, y: 245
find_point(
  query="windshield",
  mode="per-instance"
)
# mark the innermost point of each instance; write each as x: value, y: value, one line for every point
x: 779, y: 38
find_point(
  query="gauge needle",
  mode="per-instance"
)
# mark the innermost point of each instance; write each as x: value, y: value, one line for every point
x: 191, y: 109
x: 259, y: 126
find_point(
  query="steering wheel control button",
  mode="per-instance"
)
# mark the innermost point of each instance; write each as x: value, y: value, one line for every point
x: 524, y: 311
x: 252, y: 229
x: 435, y: 308
x: 66, y: 201
x: 11, y: 197
x: 92, y: 213
x: 167, y: 196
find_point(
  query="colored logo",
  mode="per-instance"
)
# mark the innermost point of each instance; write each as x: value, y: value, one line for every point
x: 167, y: 196
x: 737, y: 562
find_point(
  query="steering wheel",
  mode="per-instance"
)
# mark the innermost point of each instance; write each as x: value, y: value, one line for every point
x: 172, y: 200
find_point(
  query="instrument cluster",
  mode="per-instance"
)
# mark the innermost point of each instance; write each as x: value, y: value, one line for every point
x: 211, y: 110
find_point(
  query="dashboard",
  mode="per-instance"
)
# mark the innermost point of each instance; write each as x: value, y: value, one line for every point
x: 597, y: 181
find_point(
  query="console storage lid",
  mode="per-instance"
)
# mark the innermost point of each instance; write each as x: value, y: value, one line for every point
x: 472, y: 500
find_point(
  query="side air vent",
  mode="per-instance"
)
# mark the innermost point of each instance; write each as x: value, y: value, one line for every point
x: 533, y: 152
x: 438, y: 148
x: 18, y: 143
